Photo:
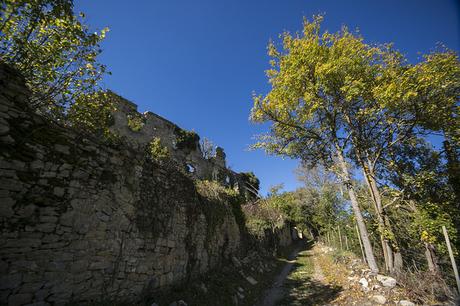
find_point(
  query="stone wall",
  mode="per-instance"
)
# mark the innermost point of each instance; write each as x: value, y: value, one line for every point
x: 190, y: 157
x: 83, y: 220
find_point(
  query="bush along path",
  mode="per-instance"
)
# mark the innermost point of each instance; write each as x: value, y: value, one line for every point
x: 321, y: 275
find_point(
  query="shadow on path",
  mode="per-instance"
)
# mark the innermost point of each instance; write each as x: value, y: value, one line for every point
x: 308, y: 291
x: 300, y: 290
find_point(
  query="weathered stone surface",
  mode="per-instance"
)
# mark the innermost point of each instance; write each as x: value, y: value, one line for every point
x: 81, y: 217
x: 20, y: 299
x: 251, y: 280
x: 10, y: 281
x: 386, y: 281
x: 379, y: 299
x: 6, y: 207
x: 364, y: 282
x: 405, y: 303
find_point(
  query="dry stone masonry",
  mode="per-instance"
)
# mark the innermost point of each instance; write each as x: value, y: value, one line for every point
x: 139, y: 129
x: 82, y: 220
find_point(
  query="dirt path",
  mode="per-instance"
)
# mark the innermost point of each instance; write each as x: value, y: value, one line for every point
x: 301, y: 282
x: 324, y: 276
x: 275, y: 293
x: 318, y: 272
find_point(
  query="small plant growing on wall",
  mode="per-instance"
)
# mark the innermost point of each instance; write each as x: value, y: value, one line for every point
x: 186, y: 139
x: 135, y: 122
x: 157, y: 151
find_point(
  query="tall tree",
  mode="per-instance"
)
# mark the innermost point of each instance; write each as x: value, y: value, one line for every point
x: 305, y: 105
x: 336, y: 94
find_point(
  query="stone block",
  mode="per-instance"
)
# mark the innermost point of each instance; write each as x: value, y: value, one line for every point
x: 56, y: 266
x: 79, y: 266
x: 100, y: 265
x: 48, y: 219
x: 10, y: 281
x: 82, y: 277
x: 66, y: 219
x: 6, y: 207
x: 20, y: 299
x: 45, y: 227
x: 50, y: 238
x: 31, y: 287
x: 42, y: 294
x: 62, y: 149
x: 58, y: 191
x: 10, y: 184
x: 23, y: 243
x: 24, y: 265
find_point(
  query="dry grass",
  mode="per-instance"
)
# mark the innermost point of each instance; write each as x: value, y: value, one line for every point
x: 426, y: 288
x: 214, y: 191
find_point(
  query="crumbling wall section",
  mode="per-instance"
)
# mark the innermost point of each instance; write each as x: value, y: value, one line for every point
x: 140, y: 128
x: 81, y: 219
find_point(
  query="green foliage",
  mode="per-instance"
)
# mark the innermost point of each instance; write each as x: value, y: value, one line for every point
x: 135, y: 122
x: 218, y: 203
x: 92, y: 112
x: 157, y: 151
x: 423, y: 186
x: 251, y: 180
x: 187, y: 140
x: 261, y: 216
x: 215, y: 191
x: 53, y: 49
x: 333, y: 97
x: 306, y: 207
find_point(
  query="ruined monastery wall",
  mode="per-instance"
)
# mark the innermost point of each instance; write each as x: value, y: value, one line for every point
x: 81, y: 220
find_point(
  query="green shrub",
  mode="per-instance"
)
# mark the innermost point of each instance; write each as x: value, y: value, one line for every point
x: 157, y: 151
x: 186, y: 139
x: 261, y: 216
x: 135, y: 122
x: 215, y: 191
x: 92, y: 112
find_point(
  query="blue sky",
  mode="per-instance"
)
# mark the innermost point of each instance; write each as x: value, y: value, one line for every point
x: 197, y: 62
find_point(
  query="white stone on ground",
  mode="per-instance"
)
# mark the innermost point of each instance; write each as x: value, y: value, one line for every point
x: 364, y: 282
x: 386, y: 281
x: 379, y: 299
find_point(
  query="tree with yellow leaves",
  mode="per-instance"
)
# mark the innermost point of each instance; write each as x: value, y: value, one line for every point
x: 53, y: 49
x: 335, y: 100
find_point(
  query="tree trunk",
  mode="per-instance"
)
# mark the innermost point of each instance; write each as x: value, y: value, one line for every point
x: 389, y: 250
x: 431, y: 258
x: 357, y: 212
x: 398, y: 262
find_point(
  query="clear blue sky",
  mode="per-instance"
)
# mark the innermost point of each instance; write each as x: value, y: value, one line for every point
x: 197, y: 62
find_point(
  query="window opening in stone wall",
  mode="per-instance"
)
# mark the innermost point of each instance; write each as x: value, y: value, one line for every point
x: 191, y: 168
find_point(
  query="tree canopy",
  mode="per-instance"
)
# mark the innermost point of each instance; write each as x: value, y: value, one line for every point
x: 53, y: 49
x: 341, y: 102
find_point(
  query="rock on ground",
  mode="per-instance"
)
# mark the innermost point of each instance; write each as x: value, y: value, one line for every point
x: 379, y: 299
x: 406, y: 303
x: 386, y: 281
